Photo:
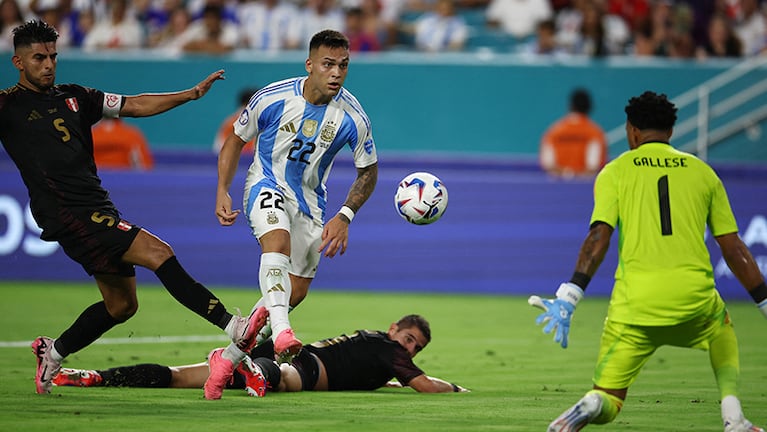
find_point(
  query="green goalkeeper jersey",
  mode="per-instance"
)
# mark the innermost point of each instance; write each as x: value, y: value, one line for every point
x: 661, y: 199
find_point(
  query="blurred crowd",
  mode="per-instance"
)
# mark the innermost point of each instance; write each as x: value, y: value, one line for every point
x: 596, y: 28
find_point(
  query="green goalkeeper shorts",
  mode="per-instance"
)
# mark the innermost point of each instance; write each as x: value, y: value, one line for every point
x: 624, y: 348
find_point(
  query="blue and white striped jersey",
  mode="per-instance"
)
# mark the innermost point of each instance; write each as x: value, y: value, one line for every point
x: 298, y: 141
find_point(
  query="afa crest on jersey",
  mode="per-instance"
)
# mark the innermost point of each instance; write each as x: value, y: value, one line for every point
x: 327, y: 134
x: 271, y: 218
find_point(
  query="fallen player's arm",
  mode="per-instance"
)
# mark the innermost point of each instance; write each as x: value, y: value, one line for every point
x: 427, y: 384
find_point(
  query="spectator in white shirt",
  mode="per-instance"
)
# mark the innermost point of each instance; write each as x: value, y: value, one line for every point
x: 320, y: 15
x: 519, y: 18
x: 120, y: 31
x: 441, y: 29
x: 751, y: 28
x: 270, y: 25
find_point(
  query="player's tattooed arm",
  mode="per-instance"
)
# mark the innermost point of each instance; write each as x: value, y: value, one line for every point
x: 594, y: 248
x: 362, y: 187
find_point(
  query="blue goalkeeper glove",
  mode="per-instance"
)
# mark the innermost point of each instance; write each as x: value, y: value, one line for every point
x: 557, y: 312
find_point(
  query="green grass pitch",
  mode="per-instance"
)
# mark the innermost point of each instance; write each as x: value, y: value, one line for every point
x: 520, y: 379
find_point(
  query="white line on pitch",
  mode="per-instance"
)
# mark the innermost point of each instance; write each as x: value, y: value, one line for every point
x: 132, y: 340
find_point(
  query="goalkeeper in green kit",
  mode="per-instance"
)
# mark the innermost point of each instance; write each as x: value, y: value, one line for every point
x: 661, y: 200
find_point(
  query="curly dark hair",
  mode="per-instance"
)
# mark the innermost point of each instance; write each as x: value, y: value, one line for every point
x: 651, y: 111
x: 410, y: 321
x: 34, y: 31
x: 328, y: 38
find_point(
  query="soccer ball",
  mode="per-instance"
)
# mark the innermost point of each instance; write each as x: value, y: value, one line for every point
x: 421, y: 198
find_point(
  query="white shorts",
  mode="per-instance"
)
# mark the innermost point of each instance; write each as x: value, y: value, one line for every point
x: 267, y: 209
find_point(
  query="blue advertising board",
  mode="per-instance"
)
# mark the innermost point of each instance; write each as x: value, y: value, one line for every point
x: 507, y: 230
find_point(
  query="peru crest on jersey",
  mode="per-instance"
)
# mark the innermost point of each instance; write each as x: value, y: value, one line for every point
x: 72, y: 104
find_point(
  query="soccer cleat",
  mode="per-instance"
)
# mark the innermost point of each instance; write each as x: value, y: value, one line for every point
x: 286, y: 346
x: 219, y: 376
x: 246, y: 329
x: 265, y: 334
x: 741, y: 425
x: 255, y: 383
x: 577, y: 417
x: 47, y: 368
x: 77, y: 378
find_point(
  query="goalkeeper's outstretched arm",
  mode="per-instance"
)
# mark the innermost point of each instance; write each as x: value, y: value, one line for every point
x: 557, y: 312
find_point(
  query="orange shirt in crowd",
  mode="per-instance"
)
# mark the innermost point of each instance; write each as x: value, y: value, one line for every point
x: 119, y: 145
x: 572, y: 146
x: 226, y: 129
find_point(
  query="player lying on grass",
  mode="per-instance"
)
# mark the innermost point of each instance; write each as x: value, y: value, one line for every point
x: 364, y: 360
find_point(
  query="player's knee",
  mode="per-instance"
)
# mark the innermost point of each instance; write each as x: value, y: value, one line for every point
x: 149, y: 251
x: 161, y: 251
x: 123, y: 310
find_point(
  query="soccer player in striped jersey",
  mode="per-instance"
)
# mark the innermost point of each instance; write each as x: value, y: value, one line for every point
x: 661, y: 200
x: 299, y: 124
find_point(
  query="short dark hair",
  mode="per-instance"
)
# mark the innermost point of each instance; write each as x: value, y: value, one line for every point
x: 413, y: 320
x: 651, y: 111
x: 34, y: 31
x: 328, y: 38
x: 580, y: 101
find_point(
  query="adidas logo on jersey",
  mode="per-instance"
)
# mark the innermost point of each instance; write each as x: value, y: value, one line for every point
x: 288, y: 128
x: 34, y: 115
